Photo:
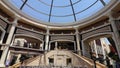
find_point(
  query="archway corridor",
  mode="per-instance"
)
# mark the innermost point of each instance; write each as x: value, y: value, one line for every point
x: 101, y: 49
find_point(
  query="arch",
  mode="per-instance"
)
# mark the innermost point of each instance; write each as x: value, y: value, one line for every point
x: 94, y: 37
x: 28, y: 36
x: 98, y: 35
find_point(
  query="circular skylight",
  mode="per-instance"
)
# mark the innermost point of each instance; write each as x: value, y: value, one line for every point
x: 60, y: 11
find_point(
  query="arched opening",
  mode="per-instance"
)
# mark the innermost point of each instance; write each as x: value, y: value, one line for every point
x: 28, y: 42
x: 101, y: 48
x: 68, y: 45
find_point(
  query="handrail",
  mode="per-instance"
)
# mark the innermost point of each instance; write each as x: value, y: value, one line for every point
x: 87, y: 61
x: 99, y: 65
x: 27, y: 61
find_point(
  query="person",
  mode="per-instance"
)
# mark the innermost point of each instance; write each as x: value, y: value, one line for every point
x: 118, y: 64
x: 7, y: 63
x: 108, y: 62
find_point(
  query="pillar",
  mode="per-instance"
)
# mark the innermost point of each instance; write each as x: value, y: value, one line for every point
x: 103, y: 50
x: 95, y: 47
x: 56, y: 45
x: 47, y: 40
x: 78, y: 41
x: 5, y: 52
x: 115, y: 32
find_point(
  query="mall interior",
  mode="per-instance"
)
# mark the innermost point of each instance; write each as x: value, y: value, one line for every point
x: 60, y: 33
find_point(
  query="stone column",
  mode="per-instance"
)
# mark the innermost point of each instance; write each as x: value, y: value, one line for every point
x: 78, y: 41
x: 95, y: 47
x: 115, y: 32
x: 47, y: 40
x: 56, y: 45
x: 9, y: 39
x: 103, y: 50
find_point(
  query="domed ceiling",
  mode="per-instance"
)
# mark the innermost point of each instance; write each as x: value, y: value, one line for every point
x: 59, y: 11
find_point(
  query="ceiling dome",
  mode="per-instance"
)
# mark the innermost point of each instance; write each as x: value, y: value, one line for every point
x: 59, y: 11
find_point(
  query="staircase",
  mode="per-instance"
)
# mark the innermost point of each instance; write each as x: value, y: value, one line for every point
x: 30, y: 61
x: 43, y: 62
x: 90, y: 61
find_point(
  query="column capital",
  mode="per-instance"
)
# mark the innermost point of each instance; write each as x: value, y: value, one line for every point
x: 76, y: 30
x: 15, y: 22
x: 48, y: 31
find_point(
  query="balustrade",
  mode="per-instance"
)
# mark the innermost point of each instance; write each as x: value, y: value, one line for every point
x: 53, y: 67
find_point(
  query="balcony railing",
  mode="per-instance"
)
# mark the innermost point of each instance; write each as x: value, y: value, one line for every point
x: 52, y: 67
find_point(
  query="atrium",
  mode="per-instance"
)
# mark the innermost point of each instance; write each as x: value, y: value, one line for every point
x: 60, y: 33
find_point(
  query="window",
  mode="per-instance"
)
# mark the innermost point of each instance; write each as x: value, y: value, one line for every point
x: 69, y: 61
x: 51, y: 60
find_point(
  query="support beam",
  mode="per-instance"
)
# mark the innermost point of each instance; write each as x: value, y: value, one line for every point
x: 73, y: 10
x: 50, y: 11
x: 102, y: 1
x: 23, y: 4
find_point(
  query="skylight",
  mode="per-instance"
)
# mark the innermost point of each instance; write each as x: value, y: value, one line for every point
x: 59, y: 11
